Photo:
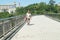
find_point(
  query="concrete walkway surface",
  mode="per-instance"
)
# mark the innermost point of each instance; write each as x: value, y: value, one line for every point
x: 40, y: 28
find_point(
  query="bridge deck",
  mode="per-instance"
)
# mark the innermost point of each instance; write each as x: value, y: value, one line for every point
x: 40, y: 28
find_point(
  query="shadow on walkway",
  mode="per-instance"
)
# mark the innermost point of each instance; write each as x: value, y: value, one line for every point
x: 31, y: 24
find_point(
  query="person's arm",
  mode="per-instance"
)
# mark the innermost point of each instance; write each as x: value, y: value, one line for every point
x: 25, y: 17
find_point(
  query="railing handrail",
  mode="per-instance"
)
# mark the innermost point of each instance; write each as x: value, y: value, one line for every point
x: 10, y: 17
x: 6, y: 24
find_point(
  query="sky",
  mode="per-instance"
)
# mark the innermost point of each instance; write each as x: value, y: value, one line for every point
x: 24, y: 2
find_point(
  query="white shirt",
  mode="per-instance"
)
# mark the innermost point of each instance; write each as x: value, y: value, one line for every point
x: 28, y: 15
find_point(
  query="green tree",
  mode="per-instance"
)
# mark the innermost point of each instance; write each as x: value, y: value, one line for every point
x: 51, y: 3
x: 4, y: 14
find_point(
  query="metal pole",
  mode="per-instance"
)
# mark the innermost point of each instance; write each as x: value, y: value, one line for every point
x: 3, y: 27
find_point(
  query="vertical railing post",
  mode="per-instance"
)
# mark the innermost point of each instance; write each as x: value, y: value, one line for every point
x: 3, y: 27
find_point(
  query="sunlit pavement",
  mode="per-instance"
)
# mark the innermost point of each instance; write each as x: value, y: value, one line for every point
x: 40, y: 28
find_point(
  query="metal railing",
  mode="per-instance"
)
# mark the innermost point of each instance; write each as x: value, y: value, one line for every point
x: 8, y: 24
x: 54, y: 16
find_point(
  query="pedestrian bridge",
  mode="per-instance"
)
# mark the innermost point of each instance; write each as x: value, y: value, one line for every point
x: 41, y: 27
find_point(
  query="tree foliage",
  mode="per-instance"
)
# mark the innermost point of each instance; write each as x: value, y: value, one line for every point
x: 40, y: 8
x: 5, y: 15
x: 37, y: 8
